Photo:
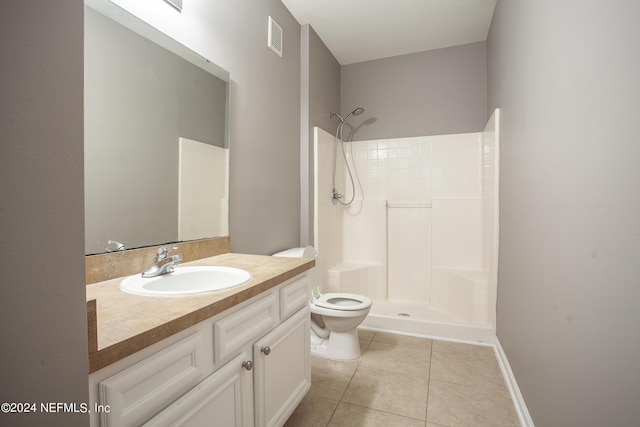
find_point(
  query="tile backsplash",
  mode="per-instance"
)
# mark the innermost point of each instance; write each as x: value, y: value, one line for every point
x: 107, y: 266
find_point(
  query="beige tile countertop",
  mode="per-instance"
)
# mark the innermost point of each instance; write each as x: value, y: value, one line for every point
x: 127, y: 323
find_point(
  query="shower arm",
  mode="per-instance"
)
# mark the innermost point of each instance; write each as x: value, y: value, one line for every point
x: 338, y: 116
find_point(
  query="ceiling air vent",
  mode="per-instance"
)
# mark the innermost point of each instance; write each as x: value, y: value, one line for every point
x: 275, y: 37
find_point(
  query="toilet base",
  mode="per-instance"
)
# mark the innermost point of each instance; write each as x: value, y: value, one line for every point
x: 339, y: 345
x: 318, y: 345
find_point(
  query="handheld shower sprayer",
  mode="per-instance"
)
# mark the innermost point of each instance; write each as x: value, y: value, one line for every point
x: 355, y: 112
x: 335, y: 195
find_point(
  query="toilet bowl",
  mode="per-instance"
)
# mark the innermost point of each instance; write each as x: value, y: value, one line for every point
x: 335, y: 317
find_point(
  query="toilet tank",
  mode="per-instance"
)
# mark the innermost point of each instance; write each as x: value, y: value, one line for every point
x: 306, y: 252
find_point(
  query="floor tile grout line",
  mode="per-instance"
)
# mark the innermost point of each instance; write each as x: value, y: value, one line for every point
x: 429, y: 377
x: 483, y: 386
x: 359, y: 363
x: 388, y: 371
x: 429, y: 350
x: 383, y: 412
x: 345, y: 390
x: 426, y: 411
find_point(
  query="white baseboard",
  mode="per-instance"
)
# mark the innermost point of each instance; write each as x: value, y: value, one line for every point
x: 516, y: 396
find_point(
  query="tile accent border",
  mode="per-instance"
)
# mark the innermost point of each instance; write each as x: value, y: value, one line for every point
x: 516, y: 396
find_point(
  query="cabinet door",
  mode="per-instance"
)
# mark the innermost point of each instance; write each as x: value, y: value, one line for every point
x: 224, y: 398
x: 144, y: 389
x: 282, y: 370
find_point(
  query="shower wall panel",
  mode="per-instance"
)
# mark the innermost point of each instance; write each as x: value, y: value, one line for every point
x: 409, y: 254
x: 490, y: 211
x: 398, y: 170
x: 365, y: 232
x: 457, y: 234
x: 445, y: 171
x: 328, y: 234
x: 419, y: 169
x: 456, y: 168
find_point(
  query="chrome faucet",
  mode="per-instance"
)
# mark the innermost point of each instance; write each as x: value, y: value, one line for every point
x: 163, y: 263
x: 114, y: 246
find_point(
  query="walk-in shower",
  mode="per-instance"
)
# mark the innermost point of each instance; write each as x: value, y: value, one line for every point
x: 336, y: 197
x: 420, y: 234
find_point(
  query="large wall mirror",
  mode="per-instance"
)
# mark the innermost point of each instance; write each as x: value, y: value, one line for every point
x: 156, y: 136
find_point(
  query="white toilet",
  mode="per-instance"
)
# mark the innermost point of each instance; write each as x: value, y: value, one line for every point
x: 335, y: 317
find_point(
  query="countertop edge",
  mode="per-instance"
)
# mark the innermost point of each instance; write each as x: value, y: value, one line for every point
x: 101, y: 358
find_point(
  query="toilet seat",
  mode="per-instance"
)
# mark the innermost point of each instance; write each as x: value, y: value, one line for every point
x: 343, y: 302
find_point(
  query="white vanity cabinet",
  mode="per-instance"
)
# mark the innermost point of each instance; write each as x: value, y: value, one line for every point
x: 247, y: 366
x: 282, y: 370
x: 224, y: 399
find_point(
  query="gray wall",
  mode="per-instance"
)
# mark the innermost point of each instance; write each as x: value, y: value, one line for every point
x: 265, y: 126
x: 428, y: 93
x: 320, y: 74
x: 43, y: 320
x: 566, y: 77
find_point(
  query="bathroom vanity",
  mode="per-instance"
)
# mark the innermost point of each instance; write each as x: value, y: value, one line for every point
x: 238, y: 357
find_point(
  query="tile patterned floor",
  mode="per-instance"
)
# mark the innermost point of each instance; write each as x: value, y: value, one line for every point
x: 407, y: 381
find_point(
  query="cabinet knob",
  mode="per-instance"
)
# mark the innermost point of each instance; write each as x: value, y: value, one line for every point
x: 265, y: 350
x: 248, y: 365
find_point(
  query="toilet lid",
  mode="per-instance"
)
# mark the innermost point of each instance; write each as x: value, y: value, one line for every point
x: 345, y: 302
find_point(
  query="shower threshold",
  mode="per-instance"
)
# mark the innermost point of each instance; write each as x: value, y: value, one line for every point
x: 418, y: 319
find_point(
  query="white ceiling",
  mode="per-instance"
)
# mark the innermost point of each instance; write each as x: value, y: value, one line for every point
x: 362, y: 30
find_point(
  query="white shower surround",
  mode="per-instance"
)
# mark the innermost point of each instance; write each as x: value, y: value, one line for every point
x: 423, y: 240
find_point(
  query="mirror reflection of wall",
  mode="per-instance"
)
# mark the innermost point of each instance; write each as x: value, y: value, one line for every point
x: 140, y: 99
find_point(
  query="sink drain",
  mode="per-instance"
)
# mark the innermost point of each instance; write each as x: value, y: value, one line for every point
x: 404, y: 314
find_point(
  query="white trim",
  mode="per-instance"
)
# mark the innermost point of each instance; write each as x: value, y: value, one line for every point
x: 431, y: 337
x: 516, y: 396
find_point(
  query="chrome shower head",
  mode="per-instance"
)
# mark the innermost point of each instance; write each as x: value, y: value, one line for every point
x: 355, y: 112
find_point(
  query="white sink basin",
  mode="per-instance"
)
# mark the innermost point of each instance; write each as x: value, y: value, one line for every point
x: 186, y: 281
